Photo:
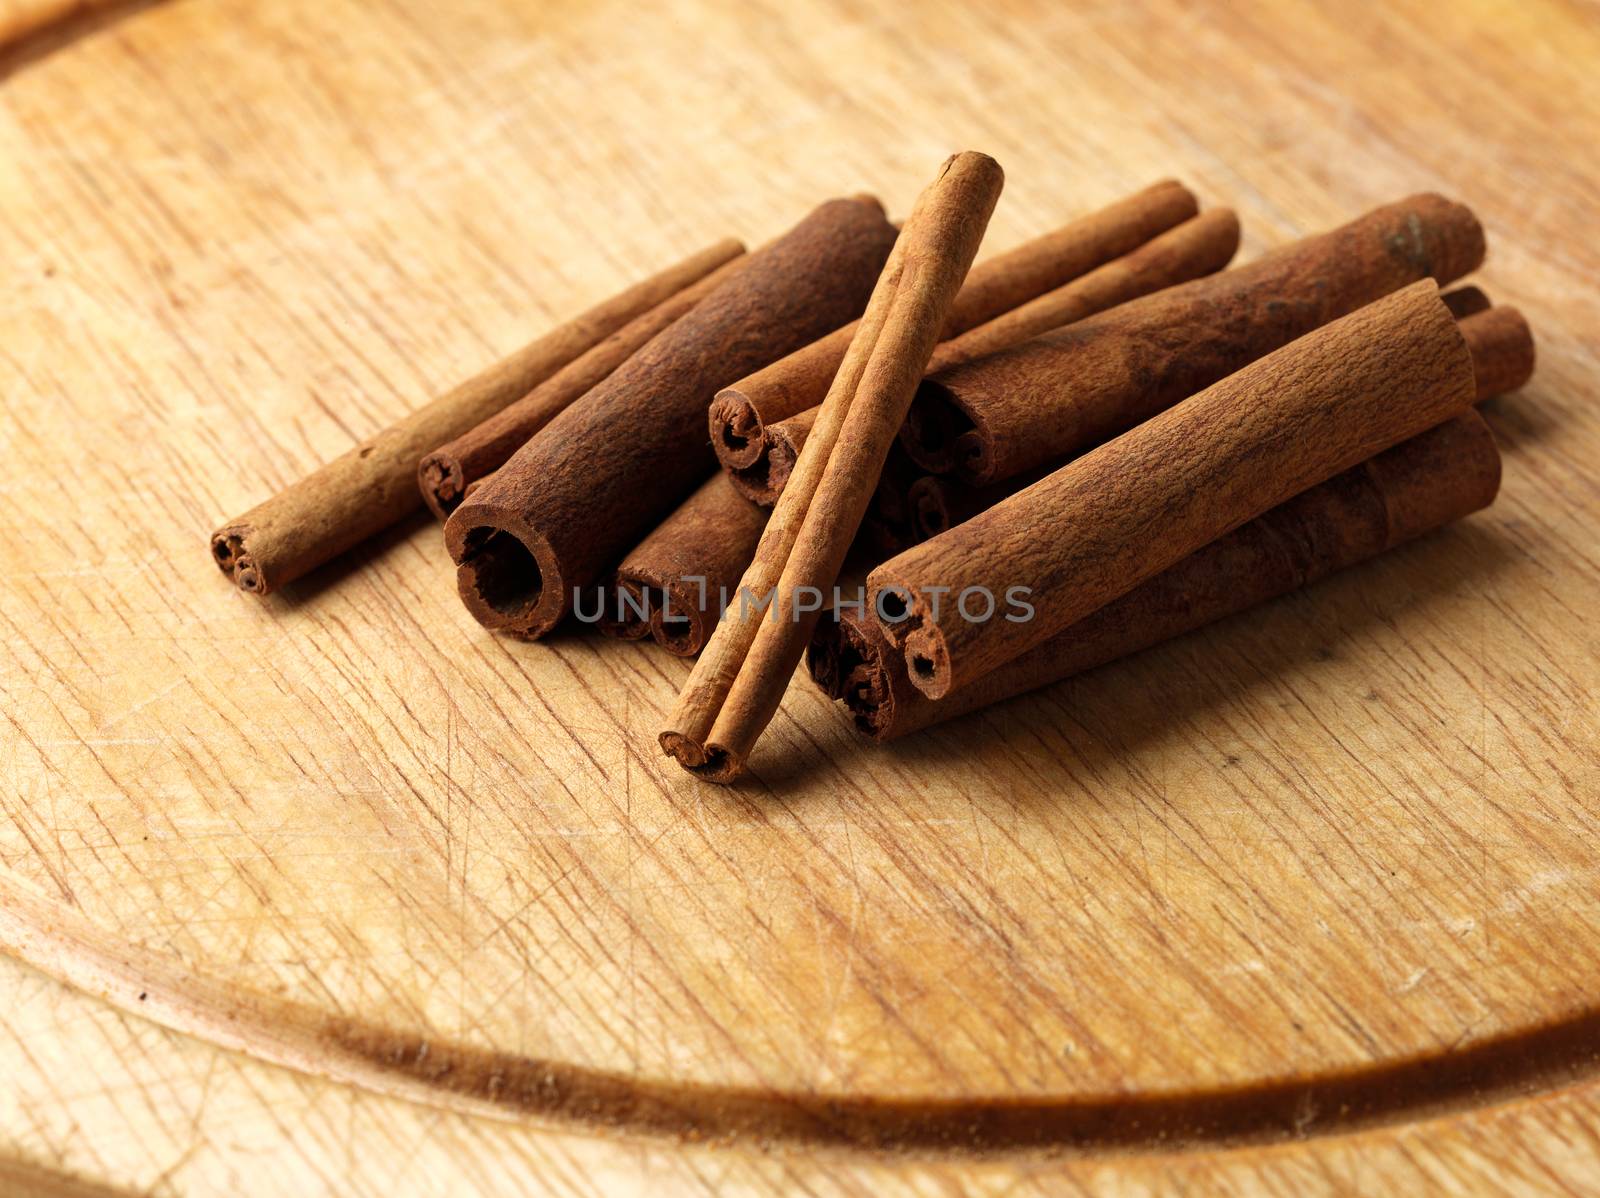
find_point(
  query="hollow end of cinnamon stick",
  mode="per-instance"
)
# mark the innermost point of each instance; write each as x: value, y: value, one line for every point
x: 678, y: 624
x: 736, y: 429
x: 506, y: 573
x: 764, y: 479
x: 943, y: 436
x: 230, y: 550
x: 442, y: 483
x: 1501, y: 344
x: 625, y: 612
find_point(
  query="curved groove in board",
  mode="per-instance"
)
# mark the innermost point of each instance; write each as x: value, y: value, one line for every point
x: 63, y: 944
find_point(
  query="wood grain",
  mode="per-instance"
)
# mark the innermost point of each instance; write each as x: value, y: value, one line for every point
x: 1346, y: 838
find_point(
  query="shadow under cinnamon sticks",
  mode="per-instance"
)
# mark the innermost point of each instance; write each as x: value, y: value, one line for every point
x: 1093, y: 723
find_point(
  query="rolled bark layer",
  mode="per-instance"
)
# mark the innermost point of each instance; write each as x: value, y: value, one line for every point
x: 763, y: 480
x: 1428, y: 481
x: 740, y: 414
x: 368, y: 489
x: 690, y: 563
x: 567, y: 505
x: 445, y: 474
x: 1093, y: 530
x: 1196, y: 247
x: 1499, y: 340
x: 1064, y: 391
x: 738, y: 681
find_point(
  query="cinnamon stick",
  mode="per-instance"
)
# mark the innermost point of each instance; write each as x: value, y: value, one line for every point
x: 1099, y: 526
x: 1466, y: 301
x: 444, y: 475
x: 685, y: 568
x: 1499, y: 340
x: 740, y: 414
x: 1072, y: 388
x: 368, y: 489
x: 738, y: 681
x: 779, y: 445
x: 1428, y: 481
x: 938, y: 502
x: 567, y: 505
x: 1198, y: 247
x: 1501, y: 344
x: 1194, y: 248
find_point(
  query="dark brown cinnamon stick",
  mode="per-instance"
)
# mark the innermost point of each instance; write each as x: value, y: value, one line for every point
x: 1501, y: 344
x: 570, y: 502
x: 1466, y: 301
x: 686, y: 568
x: 1093, y: 530
x: 1072, y: 388
x: 445, y: 474
x: 738, y: 681
x: 336, y: 507
x: 740, y: 413
x: 1434, y: 478
x: 1499, y: 340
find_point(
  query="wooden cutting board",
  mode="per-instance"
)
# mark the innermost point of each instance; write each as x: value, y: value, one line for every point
x: 1325, y: 870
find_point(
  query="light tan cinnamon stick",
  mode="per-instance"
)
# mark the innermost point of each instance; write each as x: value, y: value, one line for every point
x: 446, y: 474
x: 1098, y: 527
x: 738, y: 681
x: 369, y: 488
x: 740, y: 413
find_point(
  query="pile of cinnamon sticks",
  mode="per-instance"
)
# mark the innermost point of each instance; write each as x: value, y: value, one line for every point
x: 1070, y: 451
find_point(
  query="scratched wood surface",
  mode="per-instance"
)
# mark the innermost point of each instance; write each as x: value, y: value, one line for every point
x: 1336, y: 857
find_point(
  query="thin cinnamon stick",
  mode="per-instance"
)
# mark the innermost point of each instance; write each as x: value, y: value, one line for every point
x: 444, y: 475
x: 1197, y: 247
x: 1099, y: 526
x: 1066, y: 390
x: 740, y: 413
x: 567, y: 505
x: 1428, y: 481
x: 687, y: 566
x: 366, y: 490
x: 738, y: 681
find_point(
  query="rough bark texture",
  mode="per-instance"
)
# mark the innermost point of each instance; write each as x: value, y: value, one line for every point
x: 1069, y: 389
x: 739, y: 414
x: 1200, y: 246
x: 570, y: 502
x: 1434, y: 478
x: 685, y: 567
x: 1101, y: 525
x: 1196, y: 247
x: 445, y: 474
x: 739, y: 680
x: 375, y: 484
